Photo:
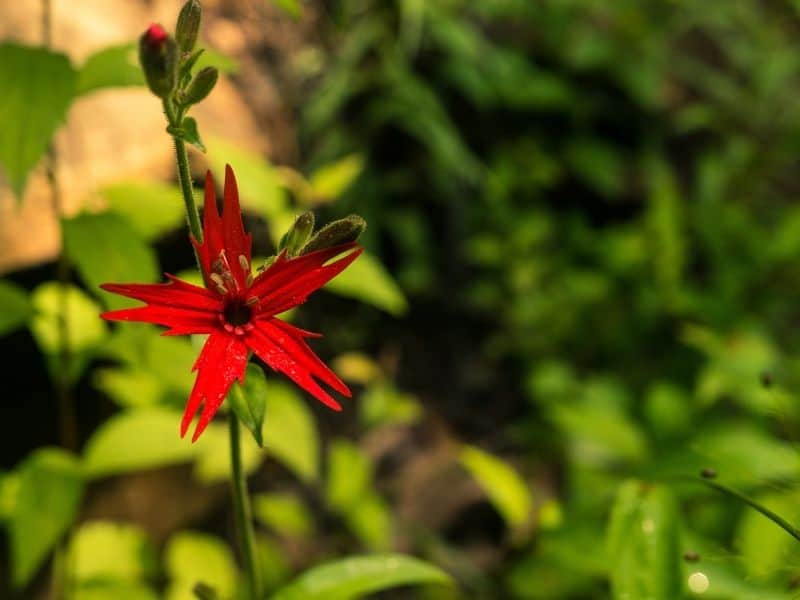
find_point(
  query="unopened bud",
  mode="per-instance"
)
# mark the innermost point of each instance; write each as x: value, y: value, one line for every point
x: 200, y: 86
x: 339, y: 232
x: 299, y: 234
x: 158, y: 56
x: 188, y: 26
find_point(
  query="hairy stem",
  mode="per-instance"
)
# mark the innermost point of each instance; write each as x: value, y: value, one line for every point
x: 241, y: 505
x: 184, y: 176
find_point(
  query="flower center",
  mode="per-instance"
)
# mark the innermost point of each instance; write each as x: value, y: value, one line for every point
x: 237, y: 313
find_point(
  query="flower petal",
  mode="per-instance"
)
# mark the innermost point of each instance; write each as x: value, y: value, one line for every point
x: 222, y: 361
x: 289, y: 282
x: 284, y: 351
x: 212, y: 244
x: 176, y: 293
x: 237, y: 243
x: 179, y: 320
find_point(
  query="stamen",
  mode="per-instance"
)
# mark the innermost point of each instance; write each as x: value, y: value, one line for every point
x: 243, y: 263
x: 252, y: 301
x: 219, y: 283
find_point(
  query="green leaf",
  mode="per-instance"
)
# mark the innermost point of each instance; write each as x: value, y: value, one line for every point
x: 505, y: 488
x: 128, y: 387
x: 134, y: 440
x: 331, y: 181
x: 214, y: 455
x: 107, y: 249
x: 103, y: 590
x: 191, y: 134
x: 290, y: 7
x: 222, y: 62
x: 38, y: 86
x: 349, y: 475
x: 370, y: 520
x: 383, y: 404
x: 598, y: 163
x: 85, y: 329
x: 284, y: 513
x: 15, y: 308
x: 191, y: 558
x: 152, y: 208
x: 765, y: 548
x: 249, y: 401
x: 114, y: 66
x: 360, y: 575
x: 50, y: 491
x: 643, y: 543
x: 102, y: 550
x: 290, y: 434
x: 368, y: 281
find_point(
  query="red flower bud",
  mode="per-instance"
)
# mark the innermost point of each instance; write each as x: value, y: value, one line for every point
x: 158, y: 56
x: 155, y: 35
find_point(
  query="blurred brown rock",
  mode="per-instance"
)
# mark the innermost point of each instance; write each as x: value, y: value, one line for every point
x: 110, y: 134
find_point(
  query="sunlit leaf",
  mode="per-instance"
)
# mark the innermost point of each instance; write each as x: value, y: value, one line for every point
x: 191, y: 558
x: 134, y: 440
x: 214, y: 454
x: 290, y: 7
x: 643, y: 543
x: 105, y: 248
x: 284, y: 513
x: 764, y: 547
x: 332, y: 180
x: 368, y: 281
x: 114, y: 66
x: 38, y: 86
x: 290, y: 434
x: 152, y: 208
x: 349, y: 474
x: 222, y: 62
x: 128, y: 387
x: 85, y: 331
x: 108, y: 550
x: 104, y: 590
x: 15, y: 308
x: 370, y: 520
x: 50, y: 490
x: 361, y: 575
x: 383, y: 404
x: 503, y: 485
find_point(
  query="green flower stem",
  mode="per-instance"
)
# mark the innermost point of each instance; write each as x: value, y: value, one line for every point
x: 184, y: 177
x: 241, y: 505
x: 241, y: 500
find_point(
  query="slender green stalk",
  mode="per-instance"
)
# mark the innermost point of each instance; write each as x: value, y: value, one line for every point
x: 241, y: 506
x: 184, y: 176
x: 775, y: 518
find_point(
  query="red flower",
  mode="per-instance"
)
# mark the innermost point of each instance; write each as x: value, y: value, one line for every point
x: 238, y: 312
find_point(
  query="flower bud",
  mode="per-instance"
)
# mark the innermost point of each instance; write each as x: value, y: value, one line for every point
x: 158, y: 56
x: 299, y: 233
x: 200, y: 86
x: 188, y: 26
x: 339, y: 232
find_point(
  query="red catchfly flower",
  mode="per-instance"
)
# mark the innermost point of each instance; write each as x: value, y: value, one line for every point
x: 237, y: 311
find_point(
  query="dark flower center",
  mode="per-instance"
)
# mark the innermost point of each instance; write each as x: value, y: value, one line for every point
x: 237, y: 313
